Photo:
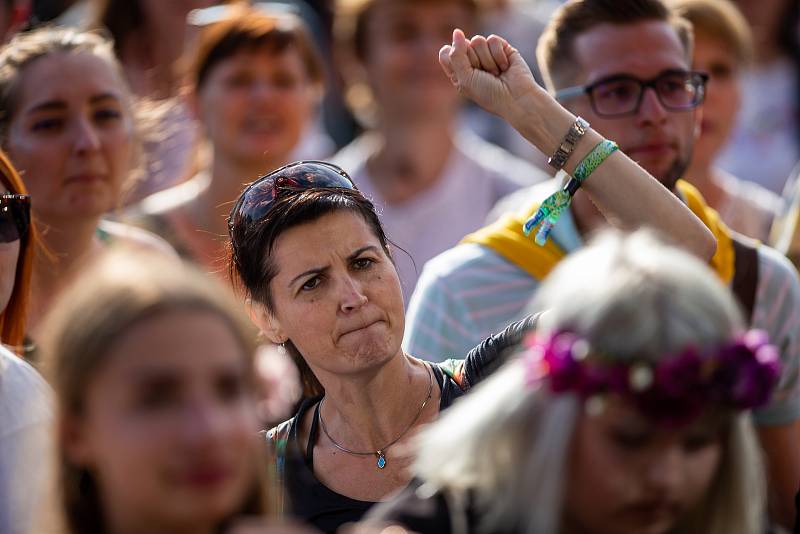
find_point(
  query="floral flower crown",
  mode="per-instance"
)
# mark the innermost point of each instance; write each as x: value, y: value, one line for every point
x: 739, y: 375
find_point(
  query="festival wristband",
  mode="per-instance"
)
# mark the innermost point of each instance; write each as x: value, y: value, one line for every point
x: 557, y: 203
x: 598, y: 155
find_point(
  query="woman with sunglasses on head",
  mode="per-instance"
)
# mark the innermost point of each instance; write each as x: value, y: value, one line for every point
x: 25, y: 410
x: 625, y: 412
x: 67, y: 125
x: 255, y: 80
x: 311, y: 256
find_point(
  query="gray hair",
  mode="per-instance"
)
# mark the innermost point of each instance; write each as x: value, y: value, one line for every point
x: 508, y: 441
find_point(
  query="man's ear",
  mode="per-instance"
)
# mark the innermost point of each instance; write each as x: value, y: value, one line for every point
x: 266, y: 321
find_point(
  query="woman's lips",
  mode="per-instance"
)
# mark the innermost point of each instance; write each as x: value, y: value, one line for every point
x: 365, y: 326
x: 206, y: 477
x: 86, y: 178
x: 650, y: 150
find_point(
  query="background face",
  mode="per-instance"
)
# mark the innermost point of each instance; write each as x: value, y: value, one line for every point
x: 403, y: 41
x: 169, y: 429
x: 71, y: 136
x: 659, y: 140
x: 337, y: 295
x: 628, y: 476
x: 256, y: 105
x: 723, y: 94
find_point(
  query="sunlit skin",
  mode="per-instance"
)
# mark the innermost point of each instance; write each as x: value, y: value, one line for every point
x: 168, y: 427
x: 401, y: 59
x: 629, y: 476
x: 256, y: 104
x: 658, y: 139
x: 337, y: 295
x: 71, y: 136
x: 9, y: 256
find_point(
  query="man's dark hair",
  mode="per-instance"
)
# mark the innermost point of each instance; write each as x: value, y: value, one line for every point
x: 555, y: 51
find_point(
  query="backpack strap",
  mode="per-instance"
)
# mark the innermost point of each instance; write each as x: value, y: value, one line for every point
x: 745, y: 278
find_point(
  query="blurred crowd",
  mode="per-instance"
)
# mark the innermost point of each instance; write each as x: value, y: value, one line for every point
x: 255, y: 256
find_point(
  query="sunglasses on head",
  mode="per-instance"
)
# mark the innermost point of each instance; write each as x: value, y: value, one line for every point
x: 15, y: 217
x: 258, y: 197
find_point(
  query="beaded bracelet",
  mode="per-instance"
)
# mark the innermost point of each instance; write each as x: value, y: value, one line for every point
x: 557, y: 203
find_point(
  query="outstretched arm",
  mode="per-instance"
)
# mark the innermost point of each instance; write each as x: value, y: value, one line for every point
x: 493, y: 74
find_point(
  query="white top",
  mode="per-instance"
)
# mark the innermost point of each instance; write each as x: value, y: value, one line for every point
x: 764, y: 145
x: 477, y: 175
x: 25, y: 453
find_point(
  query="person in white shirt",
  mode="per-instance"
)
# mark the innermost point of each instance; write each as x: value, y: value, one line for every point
x: 431, y: 181
x: 25, y: 409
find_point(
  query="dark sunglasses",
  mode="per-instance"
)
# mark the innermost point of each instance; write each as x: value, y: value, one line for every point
x: 257, y: 198
x: 15, y: 217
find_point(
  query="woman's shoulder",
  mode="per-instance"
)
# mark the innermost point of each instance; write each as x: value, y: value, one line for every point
x: 117, y: 233
x: 25, y: 397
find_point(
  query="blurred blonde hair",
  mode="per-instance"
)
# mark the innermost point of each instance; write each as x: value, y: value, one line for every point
x: 722, y: 21
x: 114, y: 293
x: 509, y: 441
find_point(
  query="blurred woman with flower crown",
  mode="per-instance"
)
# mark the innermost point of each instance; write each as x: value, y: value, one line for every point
x: 624, y: 413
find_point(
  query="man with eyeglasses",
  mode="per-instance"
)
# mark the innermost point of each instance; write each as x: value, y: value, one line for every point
x: 624, y: 66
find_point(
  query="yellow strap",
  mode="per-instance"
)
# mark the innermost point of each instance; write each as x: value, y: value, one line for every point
x: 506, y: 238
x: 724, y: 260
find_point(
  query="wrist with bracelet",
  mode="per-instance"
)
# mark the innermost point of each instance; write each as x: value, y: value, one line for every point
x: 551, y: 209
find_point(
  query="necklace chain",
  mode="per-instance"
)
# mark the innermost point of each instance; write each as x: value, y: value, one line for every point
x: 380, y: 453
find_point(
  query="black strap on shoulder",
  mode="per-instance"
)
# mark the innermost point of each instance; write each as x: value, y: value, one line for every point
x: 312, y: 437
x: 745, y: 278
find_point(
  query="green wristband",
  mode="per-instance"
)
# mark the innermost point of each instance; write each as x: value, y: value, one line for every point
x: 593, y: 160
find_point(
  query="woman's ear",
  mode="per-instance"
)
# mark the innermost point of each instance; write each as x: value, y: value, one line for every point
x: 266, y: 321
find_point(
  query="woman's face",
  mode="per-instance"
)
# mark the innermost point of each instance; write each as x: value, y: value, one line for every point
x: 336, y: 296
x: 9, y: 257
x: 403, y: 41
x: 71, y: 135
x: 627, y: 475
x: 723, y: 95
x: 256, y: 105
x: 169, y: 429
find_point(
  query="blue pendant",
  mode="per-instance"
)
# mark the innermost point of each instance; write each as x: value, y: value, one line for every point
x: 381, y: 460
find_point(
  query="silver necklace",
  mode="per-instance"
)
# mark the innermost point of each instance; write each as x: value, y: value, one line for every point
x: 380, y: 453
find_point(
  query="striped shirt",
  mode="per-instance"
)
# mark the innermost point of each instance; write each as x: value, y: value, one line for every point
x: 470, y: 292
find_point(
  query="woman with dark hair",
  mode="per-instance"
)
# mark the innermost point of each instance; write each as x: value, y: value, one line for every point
x: 315, y: 265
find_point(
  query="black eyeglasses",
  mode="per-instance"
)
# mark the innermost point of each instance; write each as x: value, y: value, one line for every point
x: 258, y: 197
x: 15, y: 217
x: 622, y: 95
